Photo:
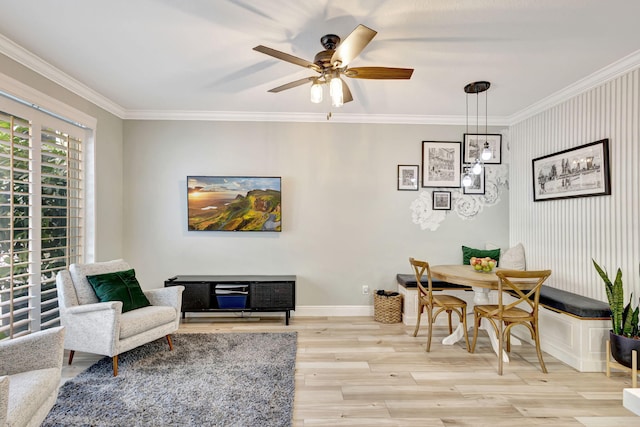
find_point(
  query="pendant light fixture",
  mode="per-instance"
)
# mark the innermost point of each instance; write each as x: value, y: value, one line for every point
x: 467, y: 180
x: 476, y: 169
x: 486, y: 151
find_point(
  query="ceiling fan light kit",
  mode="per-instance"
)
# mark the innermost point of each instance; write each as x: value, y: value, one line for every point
x: 335, y: 91
x: 332, y: 64
x: 316, y: 92
x: 476, y: 169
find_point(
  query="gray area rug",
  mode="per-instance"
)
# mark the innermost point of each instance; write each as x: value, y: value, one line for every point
x: 225, y: 379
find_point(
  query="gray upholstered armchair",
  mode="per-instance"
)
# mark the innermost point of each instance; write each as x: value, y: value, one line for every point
x: 30, y: 372
x: 102, y: 327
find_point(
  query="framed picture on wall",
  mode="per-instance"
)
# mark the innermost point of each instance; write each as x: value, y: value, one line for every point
x: 441, y: 200
x: 408, y: 177
x: 441, y: 164
x: 234, y: 203
x: 475, y: 143
x: 582, y: 171
x: 477, y: 185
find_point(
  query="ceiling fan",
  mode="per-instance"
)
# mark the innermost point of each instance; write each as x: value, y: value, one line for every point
x: 332, y: 63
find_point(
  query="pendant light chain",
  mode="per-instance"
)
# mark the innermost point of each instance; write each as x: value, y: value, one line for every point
x: 477, y: 112
x: 481, y: 151
x: 486, y: 112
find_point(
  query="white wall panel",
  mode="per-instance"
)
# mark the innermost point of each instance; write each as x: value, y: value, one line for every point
x: 565, y: 235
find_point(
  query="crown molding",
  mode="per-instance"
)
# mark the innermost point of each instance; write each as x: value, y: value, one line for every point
x: 610, y: 72
x: 336, y: 117
x: 40, y: 66
x: 31, y: 61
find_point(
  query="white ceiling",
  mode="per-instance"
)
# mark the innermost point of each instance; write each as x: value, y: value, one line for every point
x: 149, y: 58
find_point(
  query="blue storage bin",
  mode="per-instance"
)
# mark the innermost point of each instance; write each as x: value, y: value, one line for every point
x: 232, y: 301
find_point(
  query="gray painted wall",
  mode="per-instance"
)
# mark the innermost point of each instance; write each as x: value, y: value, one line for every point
x: 344, y: 222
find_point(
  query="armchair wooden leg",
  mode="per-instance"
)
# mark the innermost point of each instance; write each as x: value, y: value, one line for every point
x: 115, y: 365
x: 170, y: 343
x: 71, y: 353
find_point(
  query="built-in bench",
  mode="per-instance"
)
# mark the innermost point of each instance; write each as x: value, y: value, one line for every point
x: 574, y: 328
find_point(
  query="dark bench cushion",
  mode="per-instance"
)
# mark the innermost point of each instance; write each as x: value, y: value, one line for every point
x: 574, y: 304
x: 409, y: 281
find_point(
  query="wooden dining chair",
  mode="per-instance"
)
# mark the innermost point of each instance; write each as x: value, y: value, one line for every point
x: 525, y: 287
x: 436, y: 304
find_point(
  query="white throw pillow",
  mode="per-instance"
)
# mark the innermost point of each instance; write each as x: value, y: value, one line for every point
x: 513, y: 258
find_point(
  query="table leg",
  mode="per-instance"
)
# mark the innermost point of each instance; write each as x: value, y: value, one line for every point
x: 481, y: 296
x: 456, y: 336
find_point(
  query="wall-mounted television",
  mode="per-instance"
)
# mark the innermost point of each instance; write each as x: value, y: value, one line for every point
x: 234, y: 203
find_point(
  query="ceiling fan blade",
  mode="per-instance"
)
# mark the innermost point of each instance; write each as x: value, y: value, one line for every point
x: 292, y: 84
x: 346, y: 93
x: 286, y: 57
x: 379, y: 73
x: 351, y: 47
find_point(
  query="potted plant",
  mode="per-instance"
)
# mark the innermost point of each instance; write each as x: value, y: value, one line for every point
x: 624, y: 332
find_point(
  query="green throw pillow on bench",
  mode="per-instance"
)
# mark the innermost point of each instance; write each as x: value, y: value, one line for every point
x: 119, y: 286
x: 468, y: 252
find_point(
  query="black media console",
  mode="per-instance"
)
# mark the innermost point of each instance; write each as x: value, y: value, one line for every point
x: 237, y: 293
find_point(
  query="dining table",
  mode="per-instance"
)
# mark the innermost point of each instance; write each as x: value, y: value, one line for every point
x: 482, y: 283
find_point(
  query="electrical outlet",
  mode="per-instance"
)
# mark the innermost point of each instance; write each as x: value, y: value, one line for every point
x: 365, y: 289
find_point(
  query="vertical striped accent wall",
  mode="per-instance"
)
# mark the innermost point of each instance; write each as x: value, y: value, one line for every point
x: 564, y: 235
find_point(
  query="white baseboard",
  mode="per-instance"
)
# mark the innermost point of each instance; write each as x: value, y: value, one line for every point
x: 300, y: 311
x: 332, y: 310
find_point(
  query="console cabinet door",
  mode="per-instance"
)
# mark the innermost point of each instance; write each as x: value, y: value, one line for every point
x: 196, y: 296
x: 272, y: 295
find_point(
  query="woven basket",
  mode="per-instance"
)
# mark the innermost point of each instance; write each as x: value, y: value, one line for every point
x: 387, y: 309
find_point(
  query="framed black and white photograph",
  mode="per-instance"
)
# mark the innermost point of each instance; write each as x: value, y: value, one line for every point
x: 582, y: 171
x: 408, y: 177
x: 475, y: 143
x: 441, y: 200
x: 441, y: 164
x: 477, y: 183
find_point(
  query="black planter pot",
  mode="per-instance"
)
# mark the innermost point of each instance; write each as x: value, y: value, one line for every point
x: 621, y: 348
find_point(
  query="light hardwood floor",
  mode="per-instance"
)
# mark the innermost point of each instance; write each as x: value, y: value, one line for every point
x: 353, y: 371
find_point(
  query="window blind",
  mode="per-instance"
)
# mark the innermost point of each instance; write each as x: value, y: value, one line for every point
x: 41, y: 220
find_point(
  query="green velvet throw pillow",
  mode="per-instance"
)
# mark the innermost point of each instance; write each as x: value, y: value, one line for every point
x: 467, y: 253
x: 119, y: 286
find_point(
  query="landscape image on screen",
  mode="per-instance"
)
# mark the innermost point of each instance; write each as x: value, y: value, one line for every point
x: 231, y: 203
